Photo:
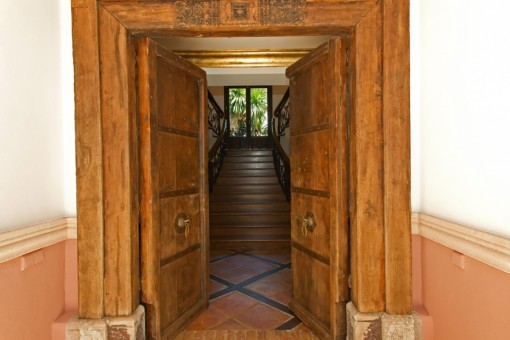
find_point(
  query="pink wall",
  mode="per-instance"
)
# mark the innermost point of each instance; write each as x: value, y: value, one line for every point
x: 32, y: 298
x: 71, y: 277
x: 465, y: 299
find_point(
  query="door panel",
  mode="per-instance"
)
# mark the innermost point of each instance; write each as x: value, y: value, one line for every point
x: 174, y: 214
x: 170, y: 84
x: 314, y: 286
x: 310, y: 166
x: 317, y: 241
x: 314, y: 78
x: 319, y: 205
x: 179, y: 169
x: 173, y: 241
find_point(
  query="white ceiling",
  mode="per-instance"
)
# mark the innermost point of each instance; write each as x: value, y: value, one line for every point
x: 243, y: 76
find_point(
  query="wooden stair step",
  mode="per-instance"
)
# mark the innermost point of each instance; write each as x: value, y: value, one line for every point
x: 245, y: 189
x: 250, y: 244
x: 249, y: 219
x: 247, y: 208
x: 247, y: 172
x: 250, y: 237
x: 249, y: 159
x: 233, y: 165
x: 252, y: 225
x: 265, y: 230
x: 241, y: 198
x: 250, y: 207
x: 246, y: 180
x: 246, y: 152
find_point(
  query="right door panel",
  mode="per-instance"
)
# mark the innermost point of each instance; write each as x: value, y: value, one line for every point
x: 319, y: 206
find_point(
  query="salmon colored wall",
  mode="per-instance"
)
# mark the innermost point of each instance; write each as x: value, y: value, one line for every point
x: 71, y: 277
x: 33, y: 298
x: 466, y: 299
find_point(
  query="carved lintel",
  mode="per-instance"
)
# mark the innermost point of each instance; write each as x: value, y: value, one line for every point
x: 239, y: 12
x: 283, y: 12
x: 197, y: 12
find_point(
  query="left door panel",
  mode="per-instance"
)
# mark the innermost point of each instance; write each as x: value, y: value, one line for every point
x: 174, y: 203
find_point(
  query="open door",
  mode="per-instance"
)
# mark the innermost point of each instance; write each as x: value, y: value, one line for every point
x: 318, y: 162
x: 174, y: 207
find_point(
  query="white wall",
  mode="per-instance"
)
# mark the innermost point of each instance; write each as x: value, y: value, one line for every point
x: 465, y: 112
x: 415, y: 104
x: 37, y: 112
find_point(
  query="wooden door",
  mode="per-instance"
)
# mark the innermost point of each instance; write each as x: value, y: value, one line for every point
x: 173, y: 156
x: 318, y: 157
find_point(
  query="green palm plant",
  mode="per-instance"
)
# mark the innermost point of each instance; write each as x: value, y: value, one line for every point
x: 258, y: 110
x: 237, y: 111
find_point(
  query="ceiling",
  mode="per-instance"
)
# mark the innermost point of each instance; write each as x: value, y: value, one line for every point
x: 231, y: 76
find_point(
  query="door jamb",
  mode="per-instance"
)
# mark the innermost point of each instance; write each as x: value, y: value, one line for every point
x: 106, y: 140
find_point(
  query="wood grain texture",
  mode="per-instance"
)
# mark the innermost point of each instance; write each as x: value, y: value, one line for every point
x: 120, y: 175
x: 366, y: 162
x: 319, y: 173
x: 397, y: 155
x: 89, y: 161
x: 149, y: 215
x: 339, y: 202
x: 172, y: 119
x: 163, y: 18
x: 378, y: 127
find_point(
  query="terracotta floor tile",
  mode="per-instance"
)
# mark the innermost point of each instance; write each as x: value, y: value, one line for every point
x: 238, y: 312
x: 230, y: 324
x: 240, y: 268
x: 215, y: 287
x: 225, y: 265
x: 262, y: 316
x: 277, y: 286
x: 219, y: 253
x: 233, y: 303
x: 282, y: 257
x: 209, y: 318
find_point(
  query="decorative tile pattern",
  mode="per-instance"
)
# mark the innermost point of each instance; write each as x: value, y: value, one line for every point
x: 277, y: 286
x: 239, y: 268
x: 249, y: 291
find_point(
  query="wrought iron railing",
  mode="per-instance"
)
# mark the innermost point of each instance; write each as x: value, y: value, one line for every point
x: 281, y: 122
x: 217, y: 123
x: 215, y: 116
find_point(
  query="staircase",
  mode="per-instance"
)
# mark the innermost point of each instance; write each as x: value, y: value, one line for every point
x: 248, y: 209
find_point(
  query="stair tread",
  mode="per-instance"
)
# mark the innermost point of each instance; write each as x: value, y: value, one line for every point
x: 242, y: 152
x: 250, y: 237
x: 247, y: 203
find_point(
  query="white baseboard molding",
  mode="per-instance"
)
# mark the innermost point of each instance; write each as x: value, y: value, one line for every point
x: 485, y: 247
x: 23, y: 240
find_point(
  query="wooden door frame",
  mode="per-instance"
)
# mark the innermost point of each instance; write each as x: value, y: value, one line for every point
x: 107, y: 142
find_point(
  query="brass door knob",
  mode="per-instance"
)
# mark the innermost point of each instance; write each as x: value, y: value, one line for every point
x: 308, y: 224
x: 182, y: 224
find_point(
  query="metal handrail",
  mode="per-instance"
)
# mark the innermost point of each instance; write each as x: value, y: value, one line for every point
x: 280, y: 158
x: 217, y: 152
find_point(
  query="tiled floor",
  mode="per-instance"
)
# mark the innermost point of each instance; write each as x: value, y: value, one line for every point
x: 249, y: 291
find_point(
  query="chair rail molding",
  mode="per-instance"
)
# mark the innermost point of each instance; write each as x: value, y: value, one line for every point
x: 26, y: 239
x: 491, y: 249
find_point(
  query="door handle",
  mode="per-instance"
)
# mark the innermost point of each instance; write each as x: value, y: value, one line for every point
x: 182, y: 223
x: 308, y: 224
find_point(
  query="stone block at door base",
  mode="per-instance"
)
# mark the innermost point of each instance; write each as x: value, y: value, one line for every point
x: 381, y: 326
x: 130, y: 327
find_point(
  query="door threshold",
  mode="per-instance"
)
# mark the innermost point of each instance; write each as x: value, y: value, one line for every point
x: 302, y: 334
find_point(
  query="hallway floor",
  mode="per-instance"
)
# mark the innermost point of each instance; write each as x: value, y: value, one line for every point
x: 249, y: 291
